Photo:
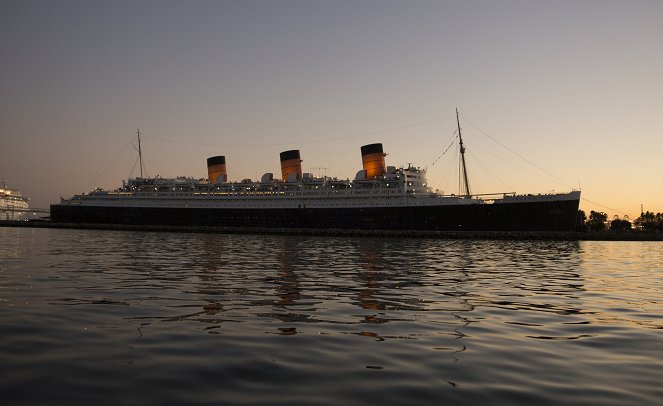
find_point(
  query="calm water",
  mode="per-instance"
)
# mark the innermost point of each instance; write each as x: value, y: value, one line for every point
x: 137, y: 317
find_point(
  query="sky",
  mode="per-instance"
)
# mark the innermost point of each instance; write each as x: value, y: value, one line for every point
x: 551, y: 95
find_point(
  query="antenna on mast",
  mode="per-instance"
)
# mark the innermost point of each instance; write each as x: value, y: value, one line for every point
x: 320, y: 169
x: 466, y: 186
x: 140, y: 153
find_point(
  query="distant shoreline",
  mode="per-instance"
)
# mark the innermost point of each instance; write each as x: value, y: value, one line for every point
x: 452, y: 235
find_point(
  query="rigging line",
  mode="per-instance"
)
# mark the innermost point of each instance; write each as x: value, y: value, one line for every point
x: 445, y: 175
x: 445, y: 151
x: 154, y: 161
x: 605, y: 207
x: 133, y: 168
x: 460, y: 176
x: 528, y: 170
x: 113, y: 161
x: 470, y: 181
x: 517, y: 154
x: 488, y: 171
x: 453, y: 139
x: 296, y: 142
x: 139, y: 158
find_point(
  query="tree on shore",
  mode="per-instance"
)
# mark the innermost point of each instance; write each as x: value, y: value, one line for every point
x: 648, y: 221
x: 597, y: 220
x: 618, y: 224
x: 581, y: 221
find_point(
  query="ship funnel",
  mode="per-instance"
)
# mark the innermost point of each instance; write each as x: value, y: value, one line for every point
x: 373, y: 160
x: 216, y: 169
x: 291, y: 166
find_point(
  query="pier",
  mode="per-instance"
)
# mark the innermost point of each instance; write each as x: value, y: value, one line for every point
x: 454, y: 235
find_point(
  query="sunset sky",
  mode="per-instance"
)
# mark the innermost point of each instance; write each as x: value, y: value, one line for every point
x: 552, y: 95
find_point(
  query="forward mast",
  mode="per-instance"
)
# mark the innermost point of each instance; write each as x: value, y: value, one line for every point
x: 465, y: 186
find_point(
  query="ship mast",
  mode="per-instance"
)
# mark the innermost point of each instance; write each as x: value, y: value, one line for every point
x: 466, y: 186
x: 140, y: 153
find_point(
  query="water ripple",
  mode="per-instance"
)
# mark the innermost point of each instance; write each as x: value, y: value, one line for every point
x: 138, y: 317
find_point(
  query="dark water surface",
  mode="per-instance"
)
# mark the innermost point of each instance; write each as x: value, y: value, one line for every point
x: 113, y: 317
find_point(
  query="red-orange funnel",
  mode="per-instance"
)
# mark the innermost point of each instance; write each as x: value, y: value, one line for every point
x: 373, y: 160
x: 291, y: 164
x: 216, y: 168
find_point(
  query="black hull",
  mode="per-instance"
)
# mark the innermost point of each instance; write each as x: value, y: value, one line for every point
x: 523, y: 216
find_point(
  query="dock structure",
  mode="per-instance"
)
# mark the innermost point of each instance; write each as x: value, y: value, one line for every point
x: 433, y: 234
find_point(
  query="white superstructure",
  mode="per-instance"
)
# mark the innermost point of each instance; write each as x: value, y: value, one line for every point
x: 12, y: 204
x: 398, y: 187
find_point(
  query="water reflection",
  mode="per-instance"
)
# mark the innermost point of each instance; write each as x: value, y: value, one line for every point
x: 359, y: 283
x: 357, y: 286
x: 417, y: 320
x: 287, y: 287
x: 387, y: 280
x: 370, y: 275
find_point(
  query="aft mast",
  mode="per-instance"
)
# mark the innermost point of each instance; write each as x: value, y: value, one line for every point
x: 140, y: 153
x: 465, y: 187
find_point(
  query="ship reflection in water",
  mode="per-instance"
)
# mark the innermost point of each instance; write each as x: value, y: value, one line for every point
x: 139, y: 317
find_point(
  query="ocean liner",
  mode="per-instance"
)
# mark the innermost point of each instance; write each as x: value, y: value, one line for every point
x: 13, y: 205
x: 380, y: 197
